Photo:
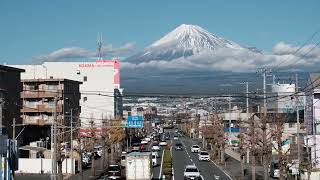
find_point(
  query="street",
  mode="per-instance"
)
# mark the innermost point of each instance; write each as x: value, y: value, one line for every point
x: 208, y: 170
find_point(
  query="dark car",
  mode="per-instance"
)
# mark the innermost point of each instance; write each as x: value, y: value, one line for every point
x: 114, y: 171
x: 178, y: 147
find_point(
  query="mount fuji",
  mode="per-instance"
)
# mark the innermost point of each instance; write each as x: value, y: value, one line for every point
x: 184, y: 41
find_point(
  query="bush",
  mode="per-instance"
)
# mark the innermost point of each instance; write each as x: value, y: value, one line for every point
x: 167, y: 162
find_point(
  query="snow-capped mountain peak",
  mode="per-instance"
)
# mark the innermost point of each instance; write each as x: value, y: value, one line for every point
x: 192, y: 36
x: 185, y: 40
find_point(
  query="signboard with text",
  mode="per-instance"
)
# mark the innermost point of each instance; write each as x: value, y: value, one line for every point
x: 135, y: 122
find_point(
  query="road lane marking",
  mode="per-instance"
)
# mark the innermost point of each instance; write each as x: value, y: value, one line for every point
x: 161, y: 164
x: 202, y: 177
x: 221, y: 169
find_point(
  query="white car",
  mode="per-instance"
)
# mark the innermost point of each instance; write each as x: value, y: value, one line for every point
x: 144, y: 142
x: 191, y: 172
x: 148, y: 139
x: 195, y: 149
x: 154, y: 160
x: 155, y: 153
x: 175, y: 137
x: 163, y: 143
x: 204, y: 156
x: 155, y: 147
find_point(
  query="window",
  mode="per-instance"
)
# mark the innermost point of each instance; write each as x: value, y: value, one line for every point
x: 52, y: 87
x: 85, y: 99
x: 85, y: 78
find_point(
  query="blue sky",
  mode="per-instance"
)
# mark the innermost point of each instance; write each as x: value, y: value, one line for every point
x: 32, y: 28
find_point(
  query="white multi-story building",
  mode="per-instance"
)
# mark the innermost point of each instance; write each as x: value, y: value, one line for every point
x: 100, y: 84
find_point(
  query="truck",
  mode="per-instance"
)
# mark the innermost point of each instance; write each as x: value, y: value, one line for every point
x: 139, y: 166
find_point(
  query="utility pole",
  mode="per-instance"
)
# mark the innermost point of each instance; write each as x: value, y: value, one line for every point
x: 298, y: 122
x: 71, y: 142
x: 14, y: 129
x: 230, y: 120
x: 1, y: 105
x: 54, y: 142
x: 264, y: 127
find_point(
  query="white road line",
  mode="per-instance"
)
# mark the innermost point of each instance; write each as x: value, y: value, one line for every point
x: 221, y: 169
x: 202, y: 177
x: 161, y: 164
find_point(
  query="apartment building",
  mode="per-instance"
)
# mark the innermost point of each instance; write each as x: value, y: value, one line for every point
x: 43, y: 101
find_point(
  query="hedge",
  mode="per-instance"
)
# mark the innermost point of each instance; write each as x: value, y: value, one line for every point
x: 167, y: 162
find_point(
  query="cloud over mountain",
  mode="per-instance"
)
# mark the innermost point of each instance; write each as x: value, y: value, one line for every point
x: 78, y: 53
x: 190, y: 47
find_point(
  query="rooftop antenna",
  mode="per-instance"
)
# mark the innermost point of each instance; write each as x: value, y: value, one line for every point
x: 99, y: 47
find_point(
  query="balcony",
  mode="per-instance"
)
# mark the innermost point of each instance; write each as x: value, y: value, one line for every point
x: 40, y: 94
x: 37, y: 120
x: 41, y: 108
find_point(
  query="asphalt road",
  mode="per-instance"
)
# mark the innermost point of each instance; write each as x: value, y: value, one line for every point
x: 208, y: 170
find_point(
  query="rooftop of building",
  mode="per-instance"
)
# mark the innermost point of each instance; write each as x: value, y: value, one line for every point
x: 50, y: 80
x: 8, y: 68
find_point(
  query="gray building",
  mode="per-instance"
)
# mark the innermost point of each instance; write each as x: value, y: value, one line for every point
x: 39, y: 107
x: 10, y: 102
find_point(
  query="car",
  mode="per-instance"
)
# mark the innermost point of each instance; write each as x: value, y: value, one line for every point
x: 163, y: 143
x: 123, y: 158
x: 195, y: 149
x: 274, y: 170
x: 175, y: 137
x: 148, y: 139
x: 144, y: 142
x: 191, y: 172
x: 204, y: 156
x: 155, y: 153
x: 85, y: 160
x: 178, y: 147
x: 135, y: 147
x: 98, y: 150
x: 154, y: 160
x: 155, y: 147
x: 114, y: 171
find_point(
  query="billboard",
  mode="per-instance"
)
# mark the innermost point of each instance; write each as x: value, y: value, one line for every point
x: 135, y: 122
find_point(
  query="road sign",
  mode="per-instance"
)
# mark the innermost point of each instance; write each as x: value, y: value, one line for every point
x: 135, y: 122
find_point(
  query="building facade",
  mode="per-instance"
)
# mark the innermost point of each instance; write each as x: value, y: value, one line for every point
x: 99, y: 81
x: 312, y: 121
x: 10, y: 103
x: 46, y: 101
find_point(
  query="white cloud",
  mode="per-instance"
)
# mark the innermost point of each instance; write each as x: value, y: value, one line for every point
x: 283, y: 57
x: 76, y: 53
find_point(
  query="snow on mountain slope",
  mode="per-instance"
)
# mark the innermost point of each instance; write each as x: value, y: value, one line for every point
x: 185, y: 40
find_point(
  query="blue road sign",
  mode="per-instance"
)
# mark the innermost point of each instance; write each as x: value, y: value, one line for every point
x: 135, y: 121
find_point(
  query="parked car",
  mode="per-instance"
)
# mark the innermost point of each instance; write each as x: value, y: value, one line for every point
x: 274, y: 170
x: 163, y: 143
x: 123, y: 159
x: 98, y: 150
x: 191, y: 172
x: 178, y: 147
x: 195, y: 149
x: 85, y: 160
x: 203, y: 156
x: 114, y: 171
